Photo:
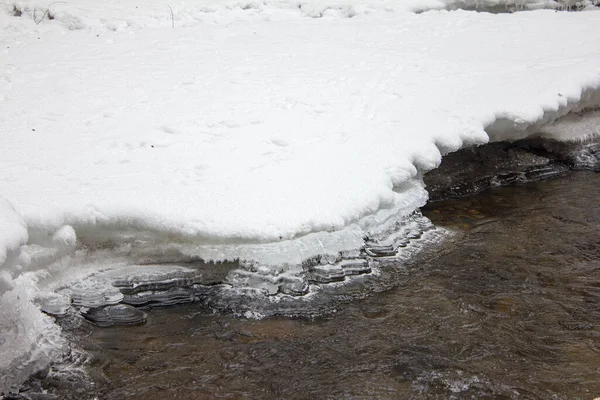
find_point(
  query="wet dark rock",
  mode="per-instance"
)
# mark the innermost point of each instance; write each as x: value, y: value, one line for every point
x: 87, y: 298
x: 120, y: 314
x: 576, y: 155
x: 544, y: 172
x: 472, y: 170
x: 74, y: 323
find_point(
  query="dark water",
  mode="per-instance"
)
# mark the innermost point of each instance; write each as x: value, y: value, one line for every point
x: 508, y: 308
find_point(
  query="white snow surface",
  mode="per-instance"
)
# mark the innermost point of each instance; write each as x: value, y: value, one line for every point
x: 260, y: 131
x: 138, y: 14
x: 250, y: 130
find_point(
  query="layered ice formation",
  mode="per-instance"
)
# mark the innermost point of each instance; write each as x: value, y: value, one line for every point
x: 151, y: 155
x: 13, y: 236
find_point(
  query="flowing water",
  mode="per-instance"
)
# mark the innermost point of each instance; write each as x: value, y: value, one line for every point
x: 507, y: 308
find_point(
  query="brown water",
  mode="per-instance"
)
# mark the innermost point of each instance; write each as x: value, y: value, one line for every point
x: 508, y: 308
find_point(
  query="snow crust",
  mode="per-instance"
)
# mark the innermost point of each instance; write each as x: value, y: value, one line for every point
x: 267, y: 132
x: 209, y: 137
x: 138, y: 14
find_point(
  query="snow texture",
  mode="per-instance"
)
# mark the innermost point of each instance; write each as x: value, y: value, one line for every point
x: 265, y: 131
x: 234, y: 134
x: 13, y: 235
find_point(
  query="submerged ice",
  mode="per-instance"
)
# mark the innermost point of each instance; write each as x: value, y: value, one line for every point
x: 144, y: 166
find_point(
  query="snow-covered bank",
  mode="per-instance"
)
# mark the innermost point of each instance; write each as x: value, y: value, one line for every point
x: 260, y: 135
x: 210, y: 137
x: 138, y: 14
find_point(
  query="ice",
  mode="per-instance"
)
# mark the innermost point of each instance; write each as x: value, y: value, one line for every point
x: 250, y: 148
x: 585, y: 125
x: 120, y: 314
x: 29, y: 340
x: 57, y: 304
x: 163, y: 298
x: 94, y: 294
x: 65, y: 237
x: 355, y: 266
x: 13, y: 235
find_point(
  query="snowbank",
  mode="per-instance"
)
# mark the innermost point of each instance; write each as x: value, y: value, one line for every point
x: 236, y: 134
x: 139, y: 14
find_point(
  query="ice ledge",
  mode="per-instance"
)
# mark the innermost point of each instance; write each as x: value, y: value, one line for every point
x: 573, y: 118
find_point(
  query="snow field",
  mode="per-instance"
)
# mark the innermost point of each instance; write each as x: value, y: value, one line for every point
x: 137, y: 14
x: 211, y: 138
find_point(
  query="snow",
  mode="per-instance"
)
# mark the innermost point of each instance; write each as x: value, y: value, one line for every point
x: 252, y: 130
x: 29, y: 340
x: 139, y: 14
x: 212, y: 138
x: 13, y: 235
x: 65, y: 237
